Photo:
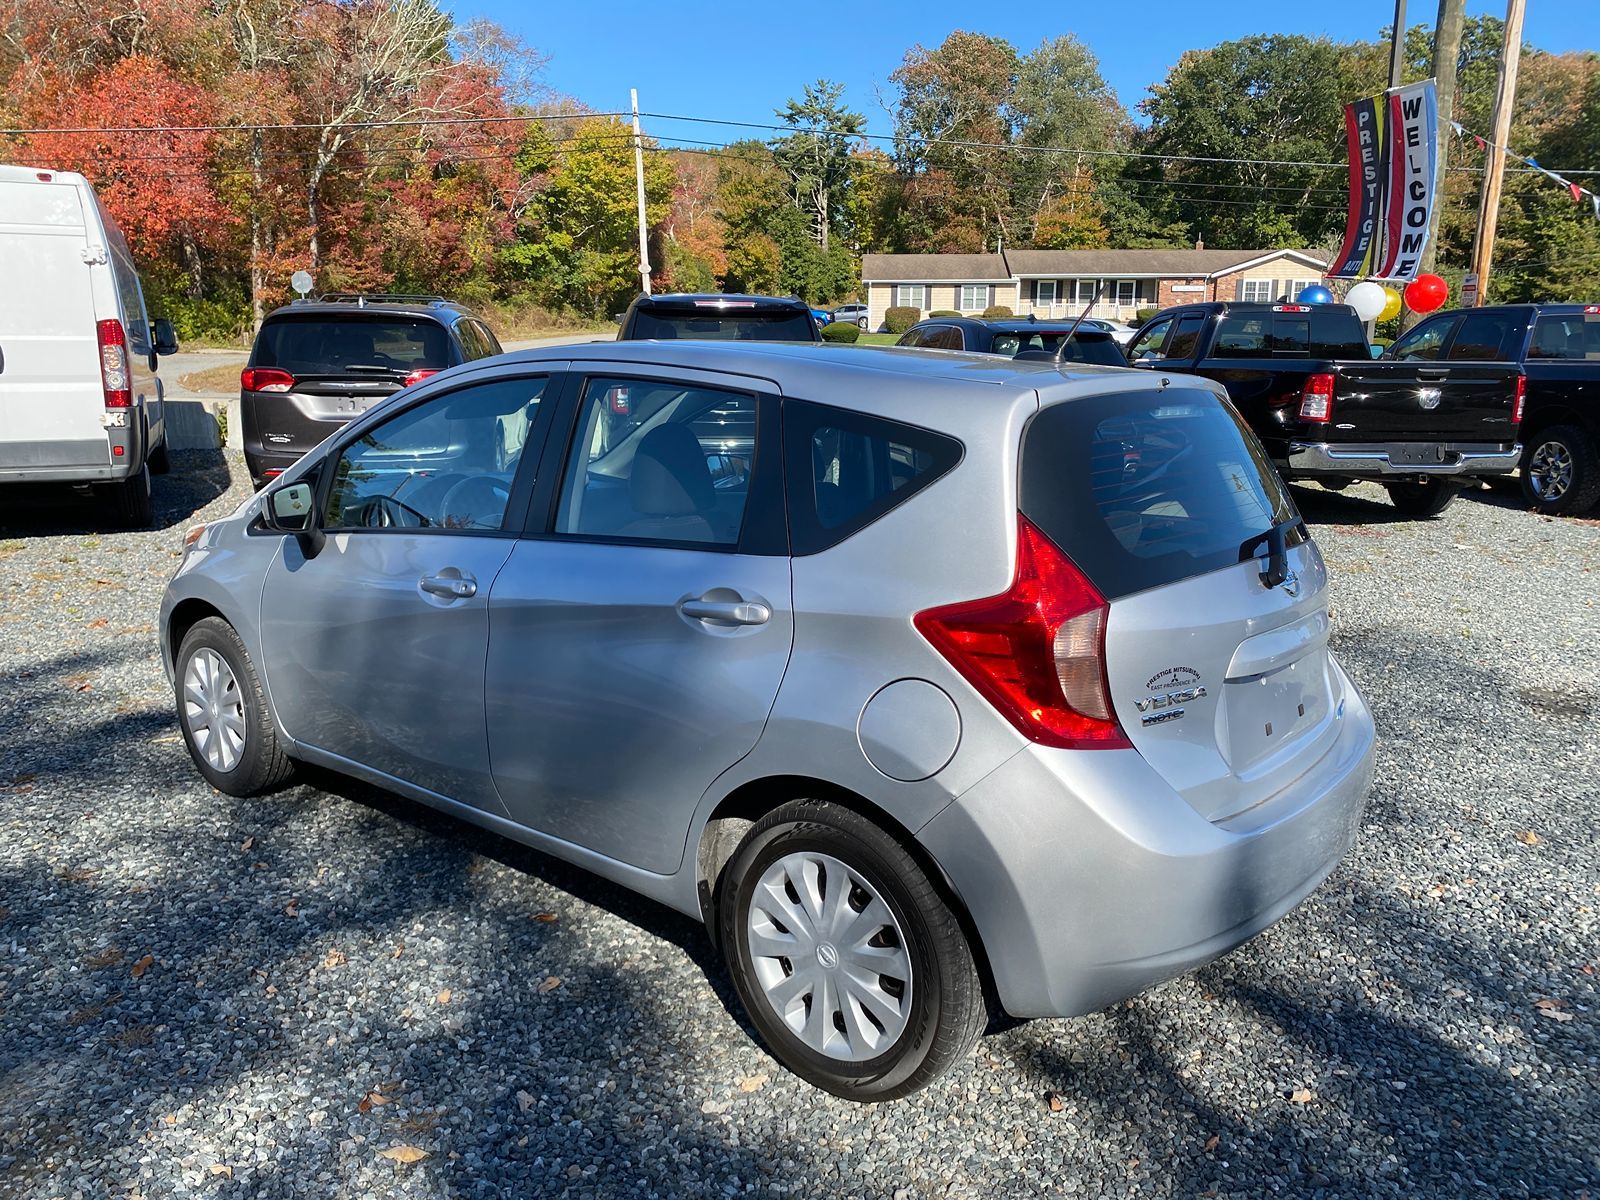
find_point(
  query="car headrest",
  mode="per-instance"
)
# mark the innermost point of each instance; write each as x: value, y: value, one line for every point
x: 670, y: 477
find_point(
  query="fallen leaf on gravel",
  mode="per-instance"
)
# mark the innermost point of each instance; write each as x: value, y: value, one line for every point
x: 222, y: 1169
x: 109, y: 957
x: 1213, y: 1142
x: 1054, y: 1101
x: 1300, y: 1096
x: 1587, y: 969
x: 525, y: 1101
x: 551, y: 983
x: 99, y: 623
x: 1550, y: 1002
x: 546, y: 917
x: 751, y: 1083
x: 292, y: 909
x: 1528, y: 838
x: 143, y: 965
x: 75, y: 874
x: 372, y: 1100
x: 248, y: 842
x: 335, y: 958
x: 443, y: 997
x: 403, y: 1154
x: 399, y: 950
x: 716, y: 1107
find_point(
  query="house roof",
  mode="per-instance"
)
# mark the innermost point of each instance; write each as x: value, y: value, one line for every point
x: 1142, y: 262
x: 934, y: 268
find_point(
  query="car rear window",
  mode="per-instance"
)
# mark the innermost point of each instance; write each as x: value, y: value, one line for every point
x: 1314, y: 334
x: 1145, y: 488
x: 1087, y: 346
x: 778, y: 325
x: 1573, y: 336
x: 348, y: 345
x: 1484, y: 337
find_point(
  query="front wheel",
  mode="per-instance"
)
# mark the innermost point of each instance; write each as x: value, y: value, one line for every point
x: 1426, y: 499
x: 849, y: 960
x: 222, y: 710
x: 1561, y: 470
x: 863, y: 323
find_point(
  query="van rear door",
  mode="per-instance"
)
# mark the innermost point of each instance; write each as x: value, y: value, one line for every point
x: 51, y: 397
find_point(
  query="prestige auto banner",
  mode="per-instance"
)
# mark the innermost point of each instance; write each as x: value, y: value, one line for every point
x: 1394, y: 177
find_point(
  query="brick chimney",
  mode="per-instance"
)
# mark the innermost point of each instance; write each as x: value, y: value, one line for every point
x: 1199, y: 244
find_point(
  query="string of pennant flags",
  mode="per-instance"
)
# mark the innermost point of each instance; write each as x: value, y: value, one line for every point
x: 1579, y: 193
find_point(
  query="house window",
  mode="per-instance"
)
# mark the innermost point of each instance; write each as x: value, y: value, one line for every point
x: 1127, y: 291
x: 910, y: 295
x: 1299, y: 285
x: 974, y: 296
x: 1256, y: 291
x: 1086, y: 289
x: 1044, y: 291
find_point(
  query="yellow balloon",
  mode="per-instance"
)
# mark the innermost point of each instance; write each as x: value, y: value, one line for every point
x: 1391, y: 304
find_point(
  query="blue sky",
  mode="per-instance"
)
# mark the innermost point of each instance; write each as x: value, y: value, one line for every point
x: 739, y: 60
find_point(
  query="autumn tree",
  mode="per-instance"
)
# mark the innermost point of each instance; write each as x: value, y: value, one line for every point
x: 816, y: 156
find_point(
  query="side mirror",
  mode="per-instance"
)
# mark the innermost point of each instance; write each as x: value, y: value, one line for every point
x: 292, y: 509
x: 164, y: 336
x: 1376, y: 350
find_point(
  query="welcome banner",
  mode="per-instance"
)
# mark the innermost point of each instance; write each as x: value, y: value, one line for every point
x: 1394, y: 179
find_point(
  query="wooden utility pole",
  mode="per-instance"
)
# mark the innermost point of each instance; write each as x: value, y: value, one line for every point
x: 638, y: 173
x: 1504, y: 101
x: 1446, y: 59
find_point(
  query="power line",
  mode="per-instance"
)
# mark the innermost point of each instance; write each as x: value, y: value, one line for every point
x: 399, y: 123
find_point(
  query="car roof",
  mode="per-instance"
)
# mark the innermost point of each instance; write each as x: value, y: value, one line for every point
x: 740, y: 298
x: 443, y: 311
x: 1007, y: 324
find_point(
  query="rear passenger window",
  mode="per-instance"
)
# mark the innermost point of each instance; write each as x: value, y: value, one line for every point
x: 1184, y: 338
x: 1480, y: 337
x: 1424, y: 343
x: 1575, y: 336
x: 845, y: 470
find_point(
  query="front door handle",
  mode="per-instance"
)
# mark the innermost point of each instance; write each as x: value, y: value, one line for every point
x: 727, y: 612
x: 450, y: 583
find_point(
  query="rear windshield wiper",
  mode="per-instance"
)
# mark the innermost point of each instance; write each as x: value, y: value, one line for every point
x: 373, y: 367
x: 1277, y: 542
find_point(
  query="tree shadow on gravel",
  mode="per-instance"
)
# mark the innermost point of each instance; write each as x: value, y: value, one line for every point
x: 196, y: 479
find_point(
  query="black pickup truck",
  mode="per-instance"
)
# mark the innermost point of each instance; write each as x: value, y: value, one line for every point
x: 1304, y: 377
x: 1557, y: 346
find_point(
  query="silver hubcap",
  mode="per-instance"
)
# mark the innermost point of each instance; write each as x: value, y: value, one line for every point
x: 829, y: 957
x: 1550, y: 471
x: 213, y: 709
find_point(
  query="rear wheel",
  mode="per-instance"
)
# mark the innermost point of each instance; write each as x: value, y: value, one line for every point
x: 1426, y: 499
x: 130, y: 499
x: 160, y: 464
x: 1561, y: 470
x: 222, y: 710
x: 847, y: 957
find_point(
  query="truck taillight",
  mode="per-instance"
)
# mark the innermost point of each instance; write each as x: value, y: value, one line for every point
x: 265, y: 379
x: 1316, y: 399
x: 1519, y: 399
x: 1037, y: 650
x: 113, y: 341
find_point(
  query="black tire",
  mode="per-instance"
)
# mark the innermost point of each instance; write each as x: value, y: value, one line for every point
x: 262, y: 764
x: 130, y: 499
x: 1426, y: 499
x: 946, y: 1010
x: 160, y: 464
x: 1576, y: 483
x: 863, y: 323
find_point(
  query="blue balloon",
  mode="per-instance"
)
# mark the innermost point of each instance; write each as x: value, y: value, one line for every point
x: 1316, y: 294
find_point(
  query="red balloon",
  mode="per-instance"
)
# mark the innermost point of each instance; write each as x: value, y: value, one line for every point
x: 1426, y: 293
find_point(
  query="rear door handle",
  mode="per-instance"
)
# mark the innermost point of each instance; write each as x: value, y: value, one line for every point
x: 727, y: 612
x: 450, y: 583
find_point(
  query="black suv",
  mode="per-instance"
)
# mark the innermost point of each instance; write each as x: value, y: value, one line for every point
x: 1024, y: 339
x: 734, y: 318
x: 1558, y: 348
x: 317, y: 363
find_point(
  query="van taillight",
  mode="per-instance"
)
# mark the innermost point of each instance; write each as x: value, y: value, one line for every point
x: 114, y: 363
x: 1519, y: 399
x: 265, y: 379
x: 419, y: 375
x: 1036, y: 651
x: 1316, y: 399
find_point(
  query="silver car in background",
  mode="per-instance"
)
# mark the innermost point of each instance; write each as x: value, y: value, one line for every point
x: 920, y: 678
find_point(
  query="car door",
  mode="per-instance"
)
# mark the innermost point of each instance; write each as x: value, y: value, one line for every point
x: 638, y: 637
x: 375, y: 646
x: 1146, y: 347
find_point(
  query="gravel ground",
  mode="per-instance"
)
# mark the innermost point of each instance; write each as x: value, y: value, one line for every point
x: 287, y: 997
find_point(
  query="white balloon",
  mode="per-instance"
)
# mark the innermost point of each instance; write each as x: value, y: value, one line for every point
x: 1367, y: 299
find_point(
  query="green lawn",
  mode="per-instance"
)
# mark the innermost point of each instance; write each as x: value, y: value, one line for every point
x: 877, y: 339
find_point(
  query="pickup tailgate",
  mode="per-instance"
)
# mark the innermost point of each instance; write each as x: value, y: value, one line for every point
x: 1423, y: 402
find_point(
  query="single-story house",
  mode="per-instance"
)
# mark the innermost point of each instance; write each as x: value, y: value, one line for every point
x: 1059, y: 283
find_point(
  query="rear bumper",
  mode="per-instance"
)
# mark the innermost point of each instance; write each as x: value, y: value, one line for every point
x: 76, y: 460
x: 1089, y: 879
x: 1405, y: 459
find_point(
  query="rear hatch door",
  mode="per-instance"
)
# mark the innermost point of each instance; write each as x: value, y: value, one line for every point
x: 1441, y: 401
x: 1220, y: 677
x: 51, y: 397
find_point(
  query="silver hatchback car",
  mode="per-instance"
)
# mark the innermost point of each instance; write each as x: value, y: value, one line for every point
x: 928, y: 681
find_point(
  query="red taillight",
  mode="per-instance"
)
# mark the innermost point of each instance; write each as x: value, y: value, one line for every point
x: 1316, y: 399
x: 419, y: 375
x: 617, y: 401
x: 265, y: 379
x: 1036, y: 651
x: 1519, y: 400
x: 272, y: 472
x: 114, y: 363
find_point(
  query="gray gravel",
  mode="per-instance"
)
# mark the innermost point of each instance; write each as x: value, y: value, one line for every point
x: 199, y: 995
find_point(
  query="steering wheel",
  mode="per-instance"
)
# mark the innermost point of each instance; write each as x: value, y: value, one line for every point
x: 385, y: 512
x: 477, y: 502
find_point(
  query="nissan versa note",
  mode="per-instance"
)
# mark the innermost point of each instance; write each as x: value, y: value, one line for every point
x: 943, y: 677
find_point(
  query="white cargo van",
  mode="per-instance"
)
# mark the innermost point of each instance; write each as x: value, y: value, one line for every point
x: 80, y: 398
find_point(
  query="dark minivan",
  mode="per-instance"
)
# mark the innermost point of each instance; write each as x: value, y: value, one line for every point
x: 677, y: 316
x: 318, y: 363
